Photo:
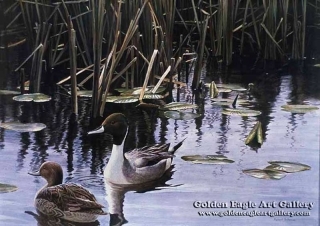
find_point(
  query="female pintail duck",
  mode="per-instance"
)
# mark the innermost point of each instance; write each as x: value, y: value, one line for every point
x: 67, y: 201
x: 139, y: 165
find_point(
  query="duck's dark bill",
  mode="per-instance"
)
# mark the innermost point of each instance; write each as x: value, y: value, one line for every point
x: 36, y: 173
x: 97, y: 130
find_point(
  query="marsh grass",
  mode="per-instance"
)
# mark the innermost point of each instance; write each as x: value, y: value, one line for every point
x: 111, y: 42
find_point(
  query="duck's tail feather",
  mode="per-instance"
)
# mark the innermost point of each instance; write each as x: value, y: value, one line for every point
x: 174, y: 148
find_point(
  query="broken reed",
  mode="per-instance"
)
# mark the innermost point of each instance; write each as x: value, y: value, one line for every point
x: 109, y: 34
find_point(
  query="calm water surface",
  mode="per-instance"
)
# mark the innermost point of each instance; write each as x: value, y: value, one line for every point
x: 288, y: 137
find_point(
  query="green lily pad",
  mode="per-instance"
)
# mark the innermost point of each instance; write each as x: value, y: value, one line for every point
x: 23, y: 127
x: 152, y: 96
x: 121, y: 99
x: 83, y: 93
x: 207, y: 159
x: 224, y: 90
x: 241, y: 112
x: 36, y: 97
x: 265, y: 174
x: 298, y: 108
x: 288, y: 167
x: 235, y: 87
x: 177, y: 115
x: 8, y: 92
x: 175, y: 106
x: 137, y: 90
x: 240, y: 89
x: 227, y: 102
x: 4, y: 188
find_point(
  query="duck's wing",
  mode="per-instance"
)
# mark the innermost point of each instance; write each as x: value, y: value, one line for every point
x: 148, y: 155
x: 71, y: 197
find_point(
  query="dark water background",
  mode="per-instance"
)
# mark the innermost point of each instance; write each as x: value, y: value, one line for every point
x: 288, y: 137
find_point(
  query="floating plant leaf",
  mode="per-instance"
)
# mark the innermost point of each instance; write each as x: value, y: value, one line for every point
x: 83, y: 93
x: 239, y: 89
x: 8, y: 92
x: 175, y: 106
x: 234, y: 87
x: 177, y: 115
x: 213, y: 90
x: 256, y: 132
x: 289, y: 167
x: 241, y: 112
x: 227, y: 102
x: 23, y: 127
x: 137, y: 90
x: 224, y: 90
x: 7, y: 188
x: 252, y: 133
x: 265, y: 174
x: 121, y: 99
x: 36, y: 97
x: 207, y: 159
x: 259, y: 134
x: 152, y: 96
x: 298, y: 108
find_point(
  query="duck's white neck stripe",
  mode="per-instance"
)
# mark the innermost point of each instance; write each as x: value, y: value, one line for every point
x: 113, y: 171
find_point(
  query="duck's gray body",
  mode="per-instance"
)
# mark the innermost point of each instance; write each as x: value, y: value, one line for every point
x: 139, y: 165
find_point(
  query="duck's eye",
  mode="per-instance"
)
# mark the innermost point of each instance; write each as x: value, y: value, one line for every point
x: 113, y: 122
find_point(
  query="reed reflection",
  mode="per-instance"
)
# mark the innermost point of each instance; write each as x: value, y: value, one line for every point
x: 116, y: 195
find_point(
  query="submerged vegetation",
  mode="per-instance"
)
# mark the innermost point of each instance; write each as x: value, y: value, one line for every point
x: 105, y: 44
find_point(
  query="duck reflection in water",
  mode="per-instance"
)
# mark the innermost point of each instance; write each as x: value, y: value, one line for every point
x: 43, y: 220
x: 116, y: 195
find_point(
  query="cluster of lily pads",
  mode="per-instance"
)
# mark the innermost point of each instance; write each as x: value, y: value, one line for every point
x: 276, y: 170
x: 24, y: 127
x: 175, y: 110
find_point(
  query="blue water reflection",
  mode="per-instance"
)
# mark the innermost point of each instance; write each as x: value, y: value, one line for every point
x: 287, y: 137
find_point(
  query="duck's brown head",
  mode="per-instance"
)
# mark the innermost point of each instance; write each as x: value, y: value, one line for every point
x: 50, y: 171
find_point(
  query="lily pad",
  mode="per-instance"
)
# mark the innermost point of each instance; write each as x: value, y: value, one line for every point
x: 227, y: 102
x: 177, y: 115
x: 265, y: 174
x: 137, y: 90
x: 175, y: 106
x: 36, y: 97
x: 121, y: 99
x: 4, y: 188
x: 298, y: 108
x: 241, y: 112
x: 234, y: 87
x: 152, y: 96
x: 239, y: 89
x: 83, y: 93
x: 23, y: 127
x: 224, y: 90
x: 207, y: 159
x: 288, y: 167
x: 8, y: 92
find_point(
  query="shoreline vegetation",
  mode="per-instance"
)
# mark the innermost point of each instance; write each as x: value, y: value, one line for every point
x: 105, y: 44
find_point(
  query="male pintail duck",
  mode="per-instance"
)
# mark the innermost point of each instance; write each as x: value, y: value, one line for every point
x: 67, y: 201
x: 139, y: 165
